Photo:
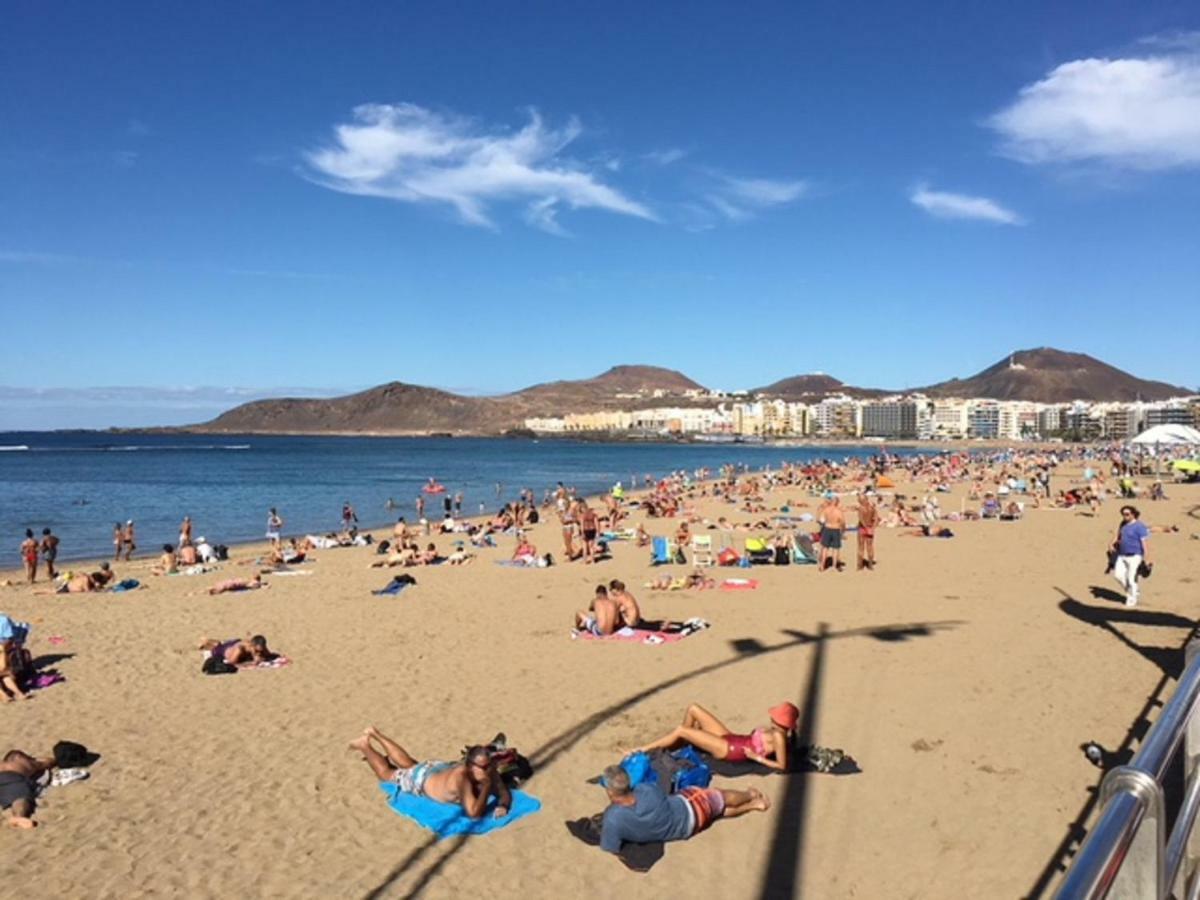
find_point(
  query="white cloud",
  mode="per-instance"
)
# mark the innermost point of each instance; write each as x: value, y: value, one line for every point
x: 946, y: 205
x: 666, y: 156
x: 411, y: 154
x: 738, y: 199
x: 1138, y: 113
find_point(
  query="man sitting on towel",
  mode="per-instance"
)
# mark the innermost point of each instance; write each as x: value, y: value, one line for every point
x: 602, y: 618
x: 467, y: 783
x: 644, y: 814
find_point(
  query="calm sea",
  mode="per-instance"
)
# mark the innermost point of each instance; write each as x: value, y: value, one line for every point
x: 79, y: 484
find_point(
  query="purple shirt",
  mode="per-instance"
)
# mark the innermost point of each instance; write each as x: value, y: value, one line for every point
x: 1132, y: 535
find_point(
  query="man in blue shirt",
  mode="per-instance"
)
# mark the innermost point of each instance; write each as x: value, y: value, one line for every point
x: 1130, y: 547
x: 644, y: 814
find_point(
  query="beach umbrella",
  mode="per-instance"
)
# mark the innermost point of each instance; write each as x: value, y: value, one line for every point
x: 1187, y: 465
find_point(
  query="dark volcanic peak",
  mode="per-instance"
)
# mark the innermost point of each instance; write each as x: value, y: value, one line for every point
x: 1047, y: 375
x: 802, y: 386
x: 811, y: 388
x: 626, y: 380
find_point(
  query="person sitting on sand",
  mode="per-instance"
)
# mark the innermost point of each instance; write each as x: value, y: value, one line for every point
x: 602, y: 617
x: 526, y: 552
x: 767, y: 746
x: 188, y: 555
x: 251, y: 651
x: 645, y: 814
x: 627, y: 606
x: 168, y: 563
x: 428, y: 556
x: 18, y: 789
x: 469, y: 783
x: 237, y: 584
x: 16, y: 668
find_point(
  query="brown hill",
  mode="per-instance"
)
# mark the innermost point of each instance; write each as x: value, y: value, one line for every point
x: 814, y: 387
x: 1047, y: 375
x: 400, y: 408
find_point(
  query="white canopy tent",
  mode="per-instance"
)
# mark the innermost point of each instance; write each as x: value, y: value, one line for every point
x: 1168, y: 436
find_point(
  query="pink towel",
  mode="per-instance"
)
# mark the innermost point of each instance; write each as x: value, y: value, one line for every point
x: 739, y: 584
x: 637, y: 635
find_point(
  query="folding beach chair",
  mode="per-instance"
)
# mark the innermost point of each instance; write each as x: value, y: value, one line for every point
x: 702, y: 550
x: 660, y: 551
x: 803, y: 552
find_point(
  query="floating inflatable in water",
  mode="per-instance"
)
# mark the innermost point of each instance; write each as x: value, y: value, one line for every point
x: 434, y: 488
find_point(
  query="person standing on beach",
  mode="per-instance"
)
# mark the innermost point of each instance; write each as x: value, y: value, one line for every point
x: 274, y: 526
x: 29, y: 555
x: 868, y: 519
x: 49, y: 551
x: 458, y: 502
x: 128, y: 539
x: 832, y: 519
x: 185, y: 532
x: 1131, y: 554
x: 420, y: 507
x: 349, y: 516
x: 118, y: 540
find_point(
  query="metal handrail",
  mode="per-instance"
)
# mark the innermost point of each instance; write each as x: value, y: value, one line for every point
x: 1116, y: 851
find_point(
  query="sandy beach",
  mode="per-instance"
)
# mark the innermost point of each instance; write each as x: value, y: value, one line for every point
x: 962, y: 675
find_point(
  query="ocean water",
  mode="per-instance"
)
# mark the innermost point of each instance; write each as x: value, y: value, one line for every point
x: 80, y: 483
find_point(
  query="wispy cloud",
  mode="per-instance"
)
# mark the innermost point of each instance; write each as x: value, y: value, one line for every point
x: 411, y: 154
x: 738, y: 199
x: 946, y: 205
x: 665, y: 156
x: 1140, y: 112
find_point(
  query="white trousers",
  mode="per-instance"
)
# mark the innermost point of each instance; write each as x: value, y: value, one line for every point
x: 1125, y: 570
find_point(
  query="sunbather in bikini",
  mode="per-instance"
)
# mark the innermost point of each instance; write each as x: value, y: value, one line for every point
x: 237, y: 584
x: 767, y: 746
x: 469, y: 783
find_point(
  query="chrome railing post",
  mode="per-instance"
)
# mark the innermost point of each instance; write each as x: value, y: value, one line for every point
x: 1191, y: 770
x: 1140, y: 872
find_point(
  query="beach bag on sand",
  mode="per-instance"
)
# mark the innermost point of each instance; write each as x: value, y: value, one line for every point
x: 511, y: 766
x: 728, y: 557
x: 221, y: 552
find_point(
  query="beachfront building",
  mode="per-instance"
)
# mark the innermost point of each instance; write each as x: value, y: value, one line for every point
x: 838, y: 416
x: 984, y: 419
x: 1173, y: 412
x: 547, y: 425
x: 1120, y: 421
x: 1051, y: 419
x: 889, y: 418
x: 951, y: 419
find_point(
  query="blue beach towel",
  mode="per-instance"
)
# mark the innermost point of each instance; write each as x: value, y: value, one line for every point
x: 129, y: 584
x: 393, y: 587
x: 448, y: 819
x: 513, y: 564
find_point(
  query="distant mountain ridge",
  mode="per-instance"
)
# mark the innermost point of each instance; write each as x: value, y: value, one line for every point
x: 1043, y: 374
x: 1047, y: 375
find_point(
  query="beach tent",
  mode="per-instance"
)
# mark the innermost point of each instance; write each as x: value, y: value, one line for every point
x: 884, y: 482
x: 1168, y: 435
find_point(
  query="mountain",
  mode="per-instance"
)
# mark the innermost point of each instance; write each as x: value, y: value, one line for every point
x: 400, y: 408
x: 1047, y: 375
x: 814, y: 387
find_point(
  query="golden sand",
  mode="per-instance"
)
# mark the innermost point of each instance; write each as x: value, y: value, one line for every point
x: 962, y: 675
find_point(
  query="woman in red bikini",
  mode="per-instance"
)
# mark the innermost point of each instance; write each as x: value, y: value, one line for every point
x: 766, y: 746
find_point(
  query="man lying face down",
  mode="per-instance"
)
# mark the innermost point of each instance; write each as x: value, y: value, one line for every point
x: 645, y: 814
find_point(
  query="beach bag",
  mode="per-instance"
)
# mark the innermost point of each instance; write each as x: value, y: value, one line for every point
x: 70, y: 755
x: 728, y: 557
x: 637, y: 767
x: 694, y: 771
x: 221, y: 552
x: 1145, y: 569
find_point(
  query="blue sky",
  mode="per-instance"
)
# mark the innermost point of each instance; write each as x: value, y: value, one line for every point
x: 481, y: 196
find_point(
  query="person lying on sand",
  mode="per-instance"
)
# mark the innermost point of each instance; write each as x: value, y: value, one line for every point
x: 237, y: 584
x: 767, y: 746
x: 645, y: 814
x: 240, y: 652
x: 602, y: 617
x: 84, y: 582
x: 460, y: 557
x: 469, y: 783
x: 18, y: 791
